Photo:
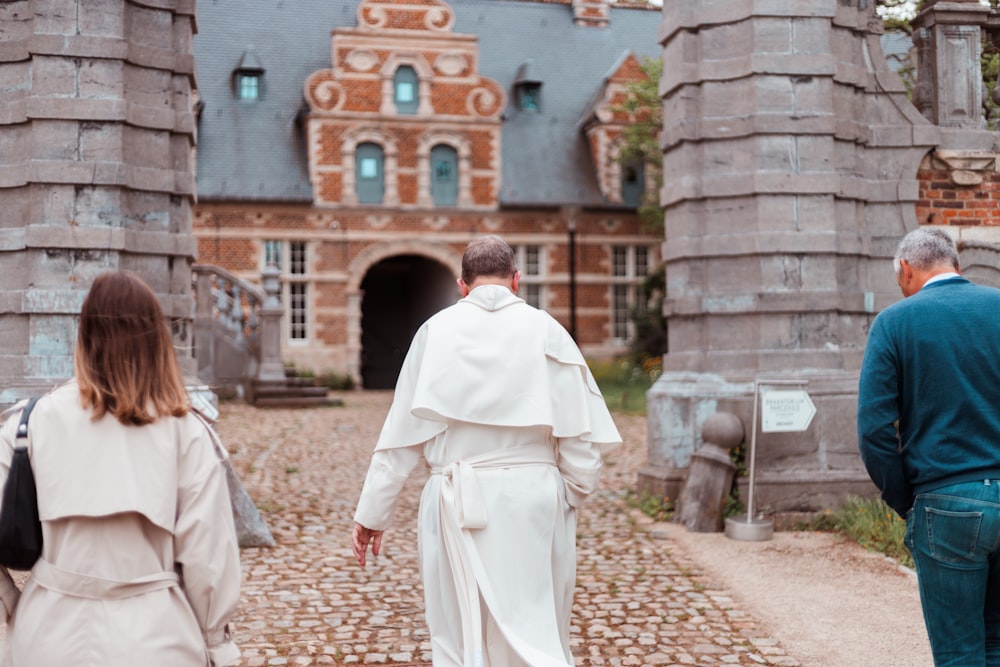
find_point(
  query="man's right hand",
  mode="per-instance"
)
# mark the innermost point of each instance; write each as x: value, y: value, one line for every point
x: 360, y: 540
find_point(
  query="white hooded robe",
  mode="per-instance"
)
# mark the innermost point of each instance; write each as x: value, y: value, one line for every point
x: 496, y: 397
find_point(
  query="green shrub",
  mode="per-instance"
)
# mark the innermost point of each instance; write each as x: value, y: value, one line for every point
x: 624, y: 383
x: 335, y: 381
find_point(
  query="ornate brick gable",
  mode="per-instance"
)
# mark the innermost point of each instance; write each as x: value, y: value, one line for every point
x: 353, y: 102
x: 604, y: 120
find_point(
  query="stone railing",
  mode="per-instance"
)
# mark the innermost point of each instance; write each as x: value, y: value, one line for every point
x: 237, y: 329
x: 948, y: 36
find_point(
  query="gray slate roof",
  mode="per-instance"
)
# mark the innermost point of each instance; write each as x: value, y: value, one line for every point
x: 257, y: 151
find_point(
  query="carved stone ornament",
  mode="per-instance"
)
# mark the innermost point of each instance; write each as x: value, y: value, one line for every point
x: 361, y: 60
x: 966, y: 167
x: 433, y: 15
x: 323, y: 91
x: 967, y: 160
x: 485, y: 100
x: 965, y: 177
x: 451, y: 64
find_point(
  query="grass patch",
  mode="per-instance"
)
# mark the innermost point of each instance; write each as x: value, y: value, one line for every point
x: 624, y: 383
x: 660, y: 509
x: 869, y: 522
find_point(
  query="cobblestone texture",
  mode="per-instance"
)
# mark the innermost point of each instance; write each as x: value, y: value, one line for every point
x: 306, y: 602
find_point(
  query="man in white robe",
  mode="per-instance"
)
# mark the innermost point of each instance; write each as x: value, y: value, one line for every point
x: 498, y: 399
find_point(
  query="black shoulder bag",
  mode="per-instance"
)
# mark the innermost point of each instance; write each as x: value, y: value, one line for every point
x: 20, y: 527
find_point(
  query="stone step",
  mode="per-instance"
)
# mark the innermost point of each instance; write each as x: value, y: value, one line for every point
x: 272, y: 390
x: 296, y: 401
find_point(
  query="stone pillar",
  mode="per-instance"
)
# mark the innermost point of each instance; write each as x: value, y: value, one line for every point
x: 271, y: 368
x: 702, y: 502
x: 790, y: 160
x: 96, y: 170
x: 949, y: 88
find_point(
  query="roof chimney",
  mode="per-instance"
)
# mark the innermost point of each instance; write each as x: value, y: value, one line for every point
x: 593, y: 13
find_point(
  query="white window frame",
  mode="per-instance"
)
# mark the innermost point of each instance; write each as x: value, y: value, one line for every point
x: 530, y: 259
x: 248, y: 91
x: 629, y: 266
x: 292, y: 256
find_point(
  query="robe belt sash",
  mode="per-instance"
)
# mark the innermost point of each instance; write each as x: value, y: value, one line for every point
x: 49, y: 576
x: 462, y: 509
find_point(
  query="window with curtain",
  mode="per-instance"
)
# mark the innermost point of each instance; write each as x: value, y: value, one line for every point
x: 444, y: 175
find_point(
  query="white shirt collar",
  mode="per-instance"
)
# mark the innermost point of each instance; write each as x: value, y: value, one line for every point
x: 939, y: 277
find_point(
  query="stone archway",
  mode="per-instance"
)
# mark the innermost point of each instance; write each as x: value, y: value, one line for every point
x: 980, y: 262
x: 399, y: 293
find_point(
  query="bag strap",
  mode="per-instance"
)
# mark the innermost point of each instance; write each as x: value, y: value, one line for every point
x: 220, y: 450
x: 22, y: 427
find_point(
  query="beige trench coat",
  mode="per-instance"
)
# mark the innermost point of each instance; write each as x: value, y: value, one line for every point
x: 140, y: 564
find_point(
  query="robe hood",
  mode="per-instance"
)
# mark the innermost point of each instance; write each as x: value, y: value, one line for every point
x: 492, y: 359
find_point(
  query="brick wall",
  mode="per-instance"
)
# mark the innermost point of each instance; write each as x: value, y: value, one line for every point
x: 944, y: 202
x: 344, y: 244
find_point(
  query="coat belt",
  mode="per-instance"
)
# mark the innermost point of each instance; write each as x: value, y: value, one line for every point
x: 461, y: 510
x: 48, y: 576
x: 461, y: 484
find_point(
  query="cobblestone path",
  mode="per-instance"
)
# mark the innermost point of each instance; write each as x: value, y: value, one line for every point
x: 306, y: 602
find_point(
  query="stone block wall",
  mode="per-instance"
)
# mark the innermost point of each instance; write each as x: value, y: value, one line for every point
x: 790, y: 161
x: 96, y: 173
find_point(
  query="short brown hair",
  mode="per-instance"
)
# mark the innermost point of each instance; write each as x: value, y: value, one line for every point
x: 125, y: 360
x: 487, y: 256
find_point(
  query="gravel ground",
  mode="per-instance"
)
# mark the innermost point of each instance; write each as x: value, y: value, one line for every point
x: 668, y: 598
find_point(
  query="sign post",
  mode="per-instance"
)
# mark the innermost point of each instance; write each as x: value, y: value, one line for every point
x: 785, y: 411
x: 782, y: 411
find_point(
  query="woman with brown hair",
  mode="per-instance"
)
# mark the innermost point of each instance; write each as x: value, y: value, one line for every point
x: 140, y: 564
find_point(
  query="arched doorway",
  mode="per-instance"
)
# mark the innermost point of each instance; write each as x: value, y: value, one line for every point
x: 400, y: 292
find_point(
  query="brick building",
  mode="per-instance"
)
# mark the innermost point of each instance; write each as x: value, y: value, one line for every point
x: 361, y: 145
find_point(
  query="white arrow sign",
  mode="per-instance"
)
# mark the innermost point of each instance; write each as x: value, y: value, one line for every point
x: 786, y: 411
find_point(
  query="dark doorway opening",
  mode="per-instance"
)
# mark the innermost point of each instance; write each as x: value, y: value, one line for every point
x: 400, y: 293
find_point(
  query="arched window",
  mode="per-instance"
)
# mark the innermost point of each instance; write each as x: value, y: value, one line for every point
x: 406, y: 87
x: 444, y: 175
x: 369, y: 174
x: 633, y: 181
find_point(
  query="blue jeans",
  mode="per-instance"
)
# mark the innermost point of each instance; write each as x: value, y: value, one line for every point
x: 953, y: 534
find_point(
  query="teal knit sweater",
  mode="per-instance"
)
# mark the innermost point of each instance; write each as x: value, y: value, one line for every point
x: 932, y: 365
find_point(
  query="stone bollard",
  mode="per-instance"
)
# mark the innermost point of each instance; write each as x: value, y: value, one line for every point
x: 710, y: 475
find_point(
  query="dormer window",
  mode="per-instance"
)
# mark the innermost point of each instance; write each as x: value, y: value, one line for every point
x: 527, y: 88
x: 249, y: 76
x: 406, y: 86
x: 633, y: 181
x: 527, y: 97
x: 249, y: 86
